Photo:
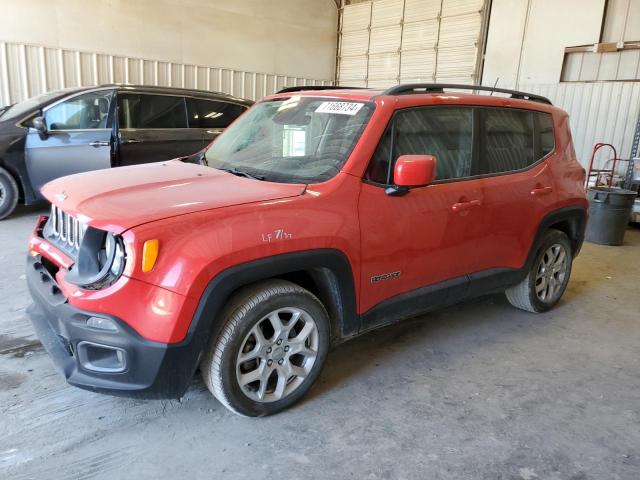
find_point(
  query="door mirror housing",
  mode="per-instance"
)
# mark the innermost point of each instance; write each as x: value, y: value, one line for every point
x: 40, y: 126
x: 412, y: 171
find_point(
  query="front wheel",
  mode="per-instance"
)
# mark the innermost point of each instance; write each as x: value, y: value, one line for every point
x: 270, y: 350
x: 548, y: 276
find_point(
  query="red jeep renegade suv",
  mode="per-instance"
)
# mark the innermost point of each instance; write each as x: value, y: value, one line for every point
x: 318, y: 215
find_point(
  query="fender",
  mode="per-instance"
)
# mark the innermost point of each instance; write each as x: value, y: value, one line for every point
x: 206, y: 322
x: 571, y: 220
x: 323, y: 261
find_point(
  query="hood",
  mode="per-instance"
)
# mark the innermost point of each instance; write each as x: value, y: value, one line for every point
x: 120, y: 198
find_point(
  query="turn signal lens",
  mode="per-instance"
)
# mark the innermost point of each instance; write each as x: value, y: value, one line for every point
x: 150, y: 254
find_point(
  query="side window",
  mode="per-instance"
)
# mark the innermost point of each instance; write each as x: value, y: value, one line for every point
x: 211, y: 113
x: 445, y: 132
x: 506, y: 142
x: 86, y: 111
x: 151, y: 111
x: 544, y: 135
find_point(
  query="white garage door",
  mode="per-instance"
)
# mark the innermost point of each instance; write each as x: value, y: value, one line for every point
x: 385, y: 42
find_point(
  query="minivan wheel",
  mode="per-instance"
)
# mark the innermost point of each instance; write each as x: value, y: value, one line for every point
x: 8, y: 194
x: 270, y: 351
x: 548, y: 276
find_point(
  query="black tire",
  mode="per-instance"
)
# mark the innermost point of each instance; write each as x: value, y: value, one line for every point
x: 9, y: 194
x: 246, y: 309
x: 523, y: 295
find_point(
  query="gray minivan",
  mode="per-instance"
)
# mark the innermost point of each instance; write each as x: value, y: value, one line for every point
x: 77, y: 130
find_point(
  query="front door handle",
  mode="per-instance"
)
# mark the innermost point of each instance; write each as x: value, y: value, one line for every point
x: 98, y: 143
x: 540, y: 190
x: 462, y: 206
x: 131, y: 140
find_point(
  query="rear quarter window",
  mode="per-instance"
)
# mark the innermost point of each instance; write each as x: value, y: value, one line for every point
x: 211, y: 113
x: 511, y: 139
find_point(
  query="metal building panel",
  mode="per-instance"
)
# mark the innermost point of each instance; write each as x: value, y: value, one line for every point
x: 572, y: 66
x: 460, y: 30
x: 460, y: 7
x: 386, y: 13
x: 420, y: 35
x: 382, y: 83
x: 421, y: 10
x: 385, y: 39
x: 384, y: 66
x: 598, y: 112
x: 356, y: 17
x: 629, y: 67
x: 608, y: 68
x: 27, y: 70
x: 590, y: 66
x: 354, y: 43
x: 417, y: 66
x: 353, y: 68
x: 457, y: 61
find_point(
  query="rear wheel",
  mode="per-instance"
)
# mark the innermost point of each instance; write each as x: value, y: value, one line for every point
x: 548, y: 277
x: 8, y: 194
x: 270, y: 351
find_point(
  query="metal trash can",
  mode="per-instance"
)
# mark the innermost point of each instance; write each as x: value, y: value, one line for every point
x: 609, y: 213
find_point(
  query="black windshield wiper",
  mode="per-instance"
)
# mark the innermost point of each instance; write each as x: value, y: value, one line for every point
x: 240, y: 173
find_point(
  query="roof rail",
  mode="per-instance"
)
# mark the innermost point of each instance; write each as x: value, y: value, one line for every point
x: 409, y: 88
x: 315, y: 87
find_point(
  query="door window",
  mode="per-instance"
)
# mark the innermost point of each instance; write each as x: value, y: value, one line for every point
x: 86, y: 111
x: 445, y: 132
x: 506, y: 141
x: 151, y: 111
x: 211, y: 113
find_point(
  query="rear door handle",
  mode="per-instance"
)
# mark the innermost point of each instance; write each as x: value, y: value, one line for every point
x: 539, y: 191
x: 132, y: 140
x: 98, y: 143
x: 462, y: 206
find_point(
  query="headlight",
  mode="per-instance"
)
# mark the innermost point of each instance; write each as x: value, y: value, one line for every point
x: 101, y: 260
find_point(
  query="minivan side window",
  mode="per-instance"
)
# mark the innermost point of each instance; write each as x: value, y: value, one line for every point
x: 445, y: 132
x: 211, y: 113
x: 151, y: 111
x: 86, y: 111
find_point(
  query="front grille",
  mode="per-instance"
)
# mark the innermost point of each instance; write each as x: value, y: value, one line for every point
x: 64, y: 231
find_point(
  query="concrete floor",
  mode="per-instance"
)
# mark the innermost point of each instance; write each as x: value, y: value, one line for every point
x: 477, y: 391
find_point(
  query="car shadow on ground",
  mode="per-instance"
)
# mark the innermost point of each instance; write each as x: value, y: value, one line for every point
x: 25, y: 211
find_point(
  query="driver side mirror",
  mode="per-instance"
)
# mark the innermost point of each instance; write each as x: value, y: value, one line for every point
x: 412, y: 171
x: 40, y: 126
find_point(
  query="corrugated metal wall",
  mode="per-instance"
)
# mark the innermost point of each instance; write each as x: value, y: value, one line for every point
x: 27, y: 70
x: 384, y: 42
x: 599, y: 111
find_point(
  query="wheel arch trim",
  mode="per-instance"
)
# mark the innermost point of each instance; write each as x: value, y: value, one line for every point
x: 330, y: 264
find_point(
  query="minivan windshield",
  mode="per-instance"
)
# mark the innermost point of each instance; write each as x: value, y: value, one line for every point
x: 293, y: 140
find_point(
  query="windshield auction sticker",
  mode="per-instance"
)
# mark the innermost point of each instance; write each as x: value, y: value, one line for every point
x: 342, y: 108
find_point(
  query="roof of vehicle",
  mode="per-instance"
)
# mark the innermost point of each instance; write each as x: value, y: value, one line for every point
x: 432, y: 93
x: 150, y: 88
x: 181, y: 91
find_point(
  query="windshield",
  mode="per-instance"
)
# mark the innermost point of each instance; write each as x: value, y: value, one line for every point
x: 293, y: 140
x: 19, y: 109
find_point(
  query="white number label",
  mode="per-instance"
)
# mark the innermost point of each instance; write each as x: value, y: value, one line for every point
x: 342, y: 108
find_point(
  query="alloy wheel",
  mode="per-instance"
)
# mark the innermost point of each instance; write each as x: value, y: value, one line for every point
x: 277, y: 354
x: 551, y: 273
